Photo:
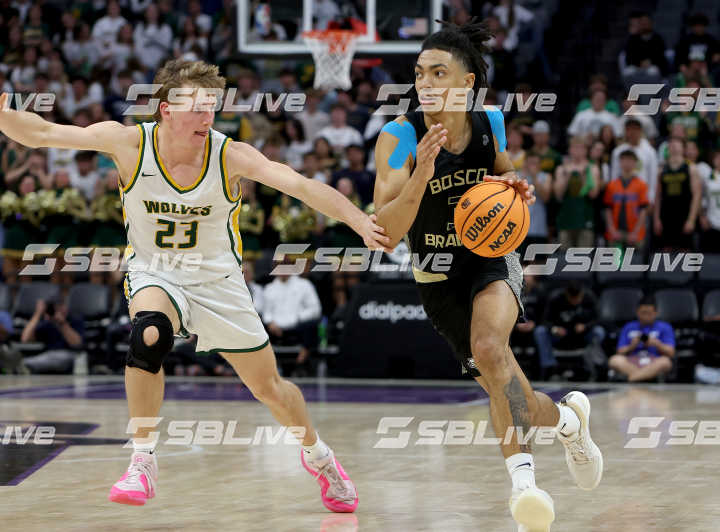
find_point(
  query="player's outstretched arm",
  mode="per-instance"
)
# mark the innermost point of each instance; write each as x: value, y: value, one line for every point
x: 245, y: 161
x: 34, y: 131
x: 398, y: 193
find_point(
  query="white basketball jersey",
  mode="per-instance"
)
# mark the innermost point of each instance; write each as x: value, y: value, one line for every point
x: 186, y: 235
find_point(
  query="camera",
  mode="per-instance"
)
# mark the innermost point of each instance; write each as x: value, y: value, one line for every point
x: 50, y: 308
x: 644, y: 338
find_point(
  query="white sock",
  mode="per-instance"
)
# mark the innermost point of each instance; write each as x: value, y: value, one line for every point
x: 521, y: 467
x: 317, y: 450
x: 569, y: 422
x: 143, y: 447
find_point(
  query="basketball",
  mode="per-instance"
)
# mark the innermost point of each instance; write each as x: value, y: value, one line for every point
x: 491, y: 219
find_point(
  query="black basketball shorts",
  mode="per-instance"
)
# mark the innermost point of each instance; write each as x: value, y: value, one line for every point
x: 448, y: 303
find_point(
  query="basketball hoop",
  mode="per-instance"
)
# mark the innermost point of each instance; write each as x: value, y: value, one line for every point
x: 332, y: 52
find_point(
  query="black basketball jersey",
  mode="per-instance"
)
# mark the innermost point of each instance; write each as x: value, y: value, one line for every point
x: 676, y: 195
x: 433, y: 230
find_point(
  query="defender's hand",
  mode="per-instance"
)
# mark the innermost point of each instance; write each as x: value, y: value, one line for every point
x: 526, y: 191
x: 428, y: 149
x: 373, y: 235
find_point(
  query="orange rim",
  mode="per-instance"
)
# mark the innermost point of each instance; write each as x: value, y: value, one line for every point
x: 336, y: 39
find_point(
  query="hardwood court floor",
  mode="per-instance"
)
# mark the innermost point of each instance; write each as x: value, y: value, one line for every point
x: 421, y: 487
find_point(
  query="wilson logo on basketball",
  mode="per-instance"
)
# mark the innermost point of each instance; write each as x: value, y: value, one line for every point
x: 500, y: 240
x: 466, y: 203
x: 481, y: 222
x: 495, y: 222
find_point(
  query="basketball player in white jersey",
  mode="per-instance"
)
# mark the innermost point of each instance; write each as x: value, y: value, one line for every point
x: 181, y: 199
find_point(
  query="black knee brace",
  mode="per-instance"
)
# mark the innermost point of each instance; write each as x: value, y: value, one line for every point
x: 149, y: 357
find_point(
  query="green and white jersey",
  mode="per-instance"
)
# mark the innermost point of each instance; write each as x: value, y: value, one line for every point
x: 185, y: 235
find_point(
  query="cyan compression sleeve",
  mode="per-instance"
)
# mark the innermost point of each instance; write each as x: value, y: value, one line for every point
x: 497, y: 124
x: 407, y: 142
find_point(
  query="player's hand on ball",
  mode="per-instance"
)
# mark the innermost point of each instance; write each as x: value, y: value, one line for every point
x: 428, y: 149
x: 526, y: 190
x: 373, y: 235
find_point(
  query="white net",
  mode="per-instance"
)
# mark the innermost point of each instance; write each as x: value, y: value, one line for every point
x: 332, y: 52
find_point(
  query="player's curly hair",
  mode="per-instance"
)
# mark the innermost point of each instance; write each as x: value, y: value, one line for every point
x: 183, y: 73
x: 466, y: 43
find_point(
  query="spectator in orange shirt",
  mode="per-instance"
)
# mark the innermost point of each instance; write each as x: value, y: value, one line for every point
x: 626, y: 201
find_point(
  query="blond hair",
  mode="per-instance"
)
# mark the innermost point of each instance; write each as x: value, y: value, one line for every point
x: 183, y: 73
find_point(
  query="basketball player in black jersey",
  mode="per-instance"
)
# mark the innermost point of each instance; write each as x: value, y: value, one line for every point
x: 425, y: 161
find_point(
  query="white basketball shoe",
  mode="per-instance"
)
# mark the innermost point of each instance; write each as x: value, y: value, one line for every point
x: 583, y: 457
x: 533, y: 510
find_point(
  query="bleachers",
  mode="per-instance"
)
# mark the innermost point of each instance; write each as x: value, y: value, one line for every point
x: 678, y: 303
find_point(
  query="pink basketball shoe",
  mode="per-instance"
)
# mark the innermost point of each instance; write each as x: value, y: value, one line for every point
x: 137, y: 485
x: 336, y: 489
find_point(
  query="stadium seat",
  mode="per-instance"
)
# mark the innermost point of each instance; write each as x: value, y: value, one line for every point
x: 90, y: 301
x: 711, y: 304
x: 677, y: 306
x: 710, y: 336
x: 667, y: 278
x: 617, y: 305
x: 560, y: 277
x: 709, y: 274
x: 27, y: 297
x: 5, y: 297
x: 619, y: 278
x: 24, y: 307
x: 263, y: 266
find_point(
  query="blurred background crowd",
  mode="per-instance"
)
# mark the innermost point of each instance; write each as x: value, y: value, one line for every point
x: 650, y: 182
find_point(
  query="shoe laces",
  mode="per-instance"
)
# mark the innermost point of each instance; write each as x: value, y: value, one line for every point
x: 338, y: 487
x: 141, y: 468
x: 577, y: 450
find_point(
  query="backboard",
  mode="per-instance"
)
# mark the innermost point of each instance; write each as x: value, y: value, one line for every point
x: 400, y: 27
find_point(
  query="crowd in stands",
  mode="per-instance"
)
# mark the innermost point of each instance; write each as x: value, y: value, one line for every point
x: 648, y: 182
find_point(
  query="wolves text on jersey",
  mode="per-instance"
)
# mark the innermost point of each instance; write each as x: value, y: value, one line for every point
x: 156, y: 207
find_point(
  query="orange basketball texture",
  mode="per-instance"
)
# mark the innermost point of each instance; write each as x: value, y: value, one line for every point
x: 491, y: 219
